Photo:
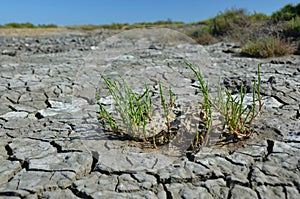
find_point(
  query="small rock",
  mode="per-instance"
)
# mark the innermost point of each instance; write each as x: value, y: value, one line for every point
x: 9, y: 53
x: 292, y: 193
x: 153, y: 47
x: 22, y: 108
x: 8, y: 169
x: 216, y: 187
x: 125, y: 57
x: 277, y: 62
x: 14, y: 194
x: 14, y: 114
x: 274, y: 192
x: 66, y: 194
x: 24, y: 148
x: 229, y: 50
x: 240, y: 158
x: 259, y: 178
x: 243, y: 192
x: 127, y: 184
x: 106, y: 100
x: 16, y: 123
x: 181, y: 190
x: 272, y: 80
x: 146, y: 181
x: 57, y: 108
x: 271, y: 102
x: 38, y: 181
x: 78, y: 162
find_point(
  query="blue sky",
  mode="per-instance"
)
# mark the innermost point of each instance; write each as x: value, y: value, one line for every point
x: 78, y: 12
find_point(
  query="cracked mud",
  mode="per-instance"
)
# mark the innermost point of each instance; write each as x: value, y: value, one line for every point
x: 52, y: 146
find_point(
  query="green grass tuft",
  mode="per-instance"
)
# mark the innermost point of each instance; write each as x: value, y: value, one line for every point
x: 237, y: 116
x: 133, y: 111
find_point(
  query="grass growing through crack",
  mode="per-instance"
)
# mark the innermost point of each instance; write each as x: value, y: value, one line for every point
x: 166, y: 107
x: 133, y: 110
x: 237, y: 116
x: 204, y: 90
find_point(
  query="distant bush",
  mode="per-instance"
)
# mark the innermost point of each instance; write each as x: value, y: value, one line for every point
x: 202, y: 36
x: 126, y: 26
x: 268, y: 47
x: 157, y: 23
x: 87, y: 27
x: 293, y: 28
x: 47, y: 26
x: 228, y: 21
x: 287, y: 13
x: 115, y: 26
x: 168, y: 22
x: 27, y: 25
x: 19, y: 25
x: 141, y: 25
x: 255, y: 17
x: 232, y: 21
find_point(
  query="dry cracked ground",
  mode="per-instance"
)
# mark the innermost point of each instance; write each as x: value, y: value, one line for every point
x: 52, y: 145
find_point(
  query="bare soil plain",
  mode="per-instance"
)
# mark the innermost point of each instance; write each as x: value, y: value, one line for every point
x: 52, y: 145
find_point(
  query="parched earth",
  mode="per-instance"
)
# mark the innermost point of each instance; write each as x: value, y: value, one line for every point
x: 52, y: 145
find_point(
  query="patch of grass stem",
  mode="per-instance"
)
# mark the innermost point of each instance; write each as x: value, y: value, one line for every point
x: 237, y: 117
x: 133, y: 110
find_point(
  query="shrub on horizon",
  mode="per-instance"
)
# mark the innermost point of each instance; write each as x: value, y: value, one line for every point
x: 286, y: 13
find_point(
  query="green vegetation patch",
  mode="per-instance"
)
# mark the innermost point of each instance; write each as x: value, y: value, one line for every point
x: 127, y: 26
x: 130, y: 114
x: 286, y: 13
x: 231, y: 22
x: 227, y: 21
x: 27, y: 25
x: 132, y: 117
x: 267, y: 47
x: 292, y: 28
x: 237, y: 116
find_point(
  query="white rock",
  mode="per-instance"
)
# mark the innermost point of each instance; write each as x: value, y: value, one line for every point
x: 58, y: 107
x: 9, y: 115
x: 125, y: 57
x: 271, y: 102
